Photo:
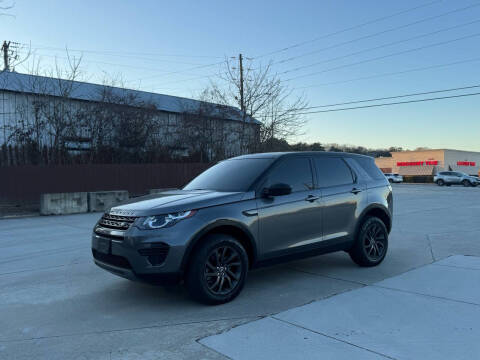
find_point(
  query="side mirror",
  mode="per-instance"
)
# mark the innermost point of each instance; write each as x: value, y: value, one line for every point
x: 277, y: 190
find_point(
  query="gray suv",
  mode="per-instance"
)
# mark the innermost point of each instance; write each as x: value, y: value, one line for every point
x: 455, y: 178
x: 248, y: 212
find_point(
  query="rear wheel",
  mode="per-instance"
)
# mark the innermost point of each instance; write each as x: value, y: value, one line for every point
x: 440, y: 182
x: 371, y: 244
x: 218, y: 270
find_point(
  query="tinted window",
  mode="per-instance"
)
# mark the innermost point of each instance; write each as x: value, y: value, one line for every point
x: 230, y: 175
x: 368, y: 164
x: 295, y: 172
x: 333, y: 171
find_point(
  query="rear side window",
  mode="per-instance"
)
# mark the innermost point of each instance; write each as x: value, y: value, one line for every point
x: 368, y: 164
x: 332, y: 171
x: 295, y: 172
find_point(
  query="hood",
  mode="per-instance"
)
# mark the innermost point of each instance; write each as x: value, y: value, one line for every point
x: 174, y: 201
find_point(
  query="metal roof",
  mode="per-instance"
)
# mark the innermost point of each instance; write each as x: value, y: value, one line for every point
x: 34, y: 84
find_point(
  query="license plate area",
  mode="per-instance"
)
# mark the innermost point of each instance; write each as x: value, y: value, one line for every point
x: 104, y: 246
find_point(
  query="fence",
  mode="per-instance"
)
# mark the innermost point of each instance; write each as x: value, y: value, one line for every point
x: 26, y: 183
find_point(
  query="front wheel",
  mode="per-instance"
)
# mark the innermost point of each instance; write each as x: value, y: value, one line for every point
x: 466, y: 183
x: 440, y: 182
x: 218, y: 270
x: 371, y: 244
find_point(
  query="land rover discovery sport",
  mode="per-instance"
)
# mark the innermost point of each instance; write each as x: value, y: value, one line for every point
x: 246, y: 212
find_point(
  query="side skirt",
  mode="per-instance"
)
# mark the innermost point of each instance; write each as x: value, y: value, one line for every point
x: 307, y: 251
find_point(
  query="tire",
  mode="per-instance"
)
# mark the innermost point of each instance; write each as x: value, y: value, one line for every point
x: 365, y: 252
x: 466, y: 183
x: 390, y: 181
x: 211, y: 280
x: 440, y: 182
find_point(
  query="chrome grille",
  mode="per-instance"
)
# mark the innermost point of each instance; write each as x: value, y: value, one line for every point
x: 116, y: 221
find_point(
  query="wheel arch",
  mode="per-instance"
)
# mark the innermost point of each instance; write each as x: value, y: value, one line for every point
x: 378, y: 211
x: 229, y: 227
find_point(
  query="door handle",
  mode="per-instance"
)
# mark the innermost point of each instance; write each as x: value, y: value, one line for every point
x: 356, y: 191
x: 312, y: 198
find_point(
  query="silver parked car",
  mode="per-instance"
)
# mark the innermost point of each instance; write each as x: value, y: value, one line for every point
x: 394, y: 178
x: 455, y: 178
x: 246, y: 212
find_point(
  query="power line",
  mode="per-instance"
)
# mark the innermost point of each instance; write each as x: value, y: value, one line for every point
x: 377, y: 33
x: 101, y: 62
x: 394, y: 97
x: 391, y: 73
x: 126, y: 53
x: 343, y: 81
x: 130, y: 57
x: 184, y: 80
x: 177, y: 72
x: 385, y: 56
x: 389, y: 104
x: 348, y: 29
x: 379, y: 47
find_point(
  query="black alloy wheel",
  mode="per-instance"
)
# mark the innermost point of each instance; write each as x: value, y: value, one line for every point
x: 374, y: 240
x: 217, y: 270
x: 223, y: 270
x: 440, y: 182
x: 371, y: 243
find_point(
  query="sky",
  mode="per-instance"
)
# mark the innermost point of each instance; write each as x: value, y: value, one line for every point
x: 172, y: 47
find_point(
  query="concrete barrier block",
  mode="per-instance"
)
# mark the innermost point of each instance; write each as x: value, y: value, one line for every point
x: 101, y: 200
x: 63, y: 203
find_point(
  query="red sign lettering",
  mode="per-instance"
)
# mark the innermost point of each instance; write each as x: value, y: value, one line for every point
x: 466, y: 163
x: 417, y: 163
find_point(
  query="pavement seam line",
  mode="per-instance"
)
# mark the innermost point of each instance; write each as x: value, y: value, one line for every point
x: 431, y: 247
x: 39, y: 253
x: 426, y: 295
x: 129, y: 329
x: 334, y: 338
x: 42, y: 269
x: 328, y: 277
x: 457, y: 267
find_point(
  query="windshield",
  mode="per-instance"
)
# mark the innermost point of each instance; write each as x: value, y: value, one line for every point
x: 230, y: 175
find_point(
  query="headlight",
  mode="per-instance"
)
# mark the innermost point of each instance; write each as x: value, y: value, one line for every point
x: 163, y: 221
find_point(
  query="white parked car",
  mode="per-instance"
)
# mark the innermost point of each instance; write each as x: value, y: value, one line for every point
x: 394, y: 178
x: 455, y: 178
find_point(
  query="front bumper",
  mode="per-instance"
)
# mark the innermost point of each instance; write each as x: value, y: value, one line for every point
x: 153, y: 256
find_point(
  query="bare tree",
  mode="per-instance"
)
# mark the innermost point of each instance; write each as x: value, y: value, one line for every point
x: 265, y: 97
x: 45, y: 114
x: 203, y: 130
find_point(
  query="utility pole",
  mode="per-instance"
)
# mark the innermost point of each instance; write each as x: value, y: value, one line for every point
x: 5, y: 46
x: 242, y: 102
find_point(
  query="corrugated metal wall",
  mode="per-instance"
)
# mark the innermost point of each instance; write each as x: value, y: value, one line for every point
x: 26, y: 183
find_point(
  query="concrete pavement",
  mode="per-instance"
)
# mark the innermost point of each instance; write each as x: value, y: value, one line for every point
x: 56, y: 304
x: 432, y: 312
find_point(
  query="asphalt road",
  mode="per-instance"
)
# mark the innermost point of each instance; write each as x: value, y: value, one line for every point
x: 56, y: 304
